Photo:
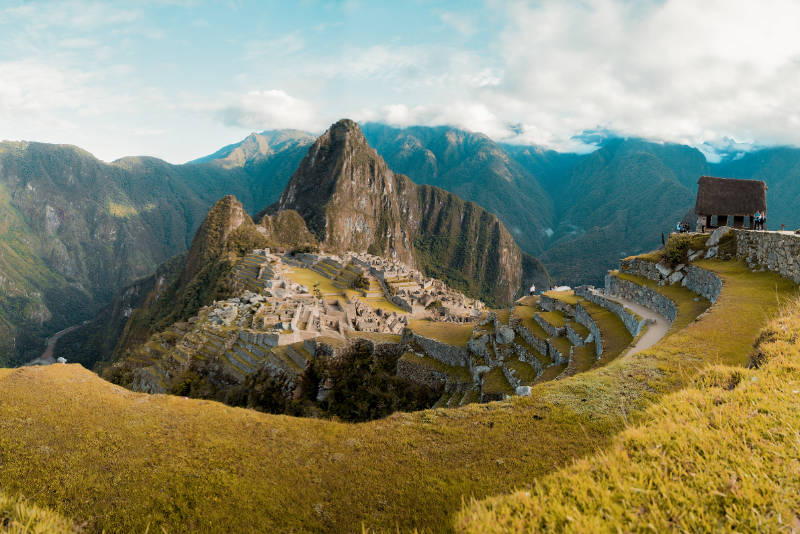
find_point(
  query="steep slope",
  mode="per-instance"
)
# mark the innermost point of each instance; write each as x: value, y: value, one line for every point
x: 74, y: 230
x: 258, y: 147
x: 183, y: 284
x: 473, y: 167
x: 618, y: 201
x: 351, y: 201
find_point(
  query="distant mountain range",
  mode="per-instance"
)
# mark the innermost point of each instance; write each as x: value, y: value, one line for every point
x: 74, y: 230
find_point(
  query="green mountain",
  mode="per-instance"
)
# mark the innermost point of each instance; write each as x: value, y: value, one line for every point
x: 476, y: 169
x: 350, y: 199
x: 75, y: 230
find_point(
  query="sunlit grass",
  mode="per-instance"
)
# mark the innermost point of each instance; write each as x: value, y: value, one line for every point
x: 456, y: 334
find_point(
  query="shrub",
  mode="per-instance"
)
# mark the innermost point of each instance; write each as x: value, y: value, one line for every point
x: 677, y: 249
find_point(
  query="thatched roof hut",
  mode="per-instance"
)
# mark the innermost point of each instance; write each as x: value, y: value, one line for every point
x: 729, y: 197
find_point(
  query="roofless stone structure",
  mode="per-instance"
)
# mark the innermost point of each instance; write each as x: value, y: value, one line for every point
x: 729, y: 202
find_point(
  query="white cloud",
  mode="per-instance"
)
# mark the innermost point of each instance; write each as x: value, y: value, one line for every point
x: 261, y: 110
x: 462, y: 23
x: 679, y: 70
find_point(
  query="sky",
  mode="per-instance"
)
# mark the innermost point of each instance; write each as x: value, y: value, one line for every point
x: 178, y: 79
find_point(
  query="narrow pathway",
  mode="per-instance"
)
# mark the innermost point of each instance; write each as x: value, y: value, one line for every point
x: 654, y: 331
x: 46, y: 357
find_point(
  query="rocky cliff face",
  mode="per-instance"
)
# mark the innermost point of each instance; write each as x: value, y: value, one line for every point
x: 351, y: 200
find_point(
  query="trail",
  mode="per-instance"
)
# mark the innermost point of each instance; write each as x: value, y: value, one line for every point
x: 654, y: 331
x: 46, y: 358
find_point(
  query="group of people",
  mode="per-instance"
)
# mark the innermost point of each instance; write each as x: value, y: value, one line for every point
x: 759, y: 220
x: 682, y: 227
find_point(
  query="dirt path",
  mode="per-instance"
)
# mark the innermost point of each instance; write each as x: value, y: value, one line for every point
x: 46, y: 357
x: 653, y: 332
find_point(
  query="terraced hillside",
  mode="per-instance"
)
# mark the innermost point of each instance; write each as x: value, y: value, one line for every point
x: 161, y: 461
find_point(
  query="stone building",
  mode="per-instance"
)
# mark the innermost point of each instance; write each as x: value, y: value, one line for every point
x: 729, y: 202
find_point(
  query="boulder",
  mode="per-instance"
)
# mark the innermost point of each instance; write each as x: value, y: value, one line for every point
x: 718, y: 234
x: 663, y: 270
x: 711, y: 252
x: 505, y: 335
x: 675, y: 277
x: 523, y: 391
x: 61, y: 359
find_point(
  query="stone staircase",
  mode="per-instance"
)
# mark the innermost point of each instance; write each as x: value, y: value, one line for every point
x: 245, y: 273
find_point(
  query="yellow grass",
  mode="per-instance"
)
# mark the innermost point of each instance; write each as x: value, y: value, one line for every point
x: 722, y: 455
x: 123, y: 461
x: 121, y: 210
x: 567, y: 297
x: 17, y: 516
x: 456, y: 334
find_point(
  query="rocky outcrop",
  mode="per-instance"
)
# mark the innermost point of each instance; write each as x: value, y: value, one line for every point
x: 352, y: 201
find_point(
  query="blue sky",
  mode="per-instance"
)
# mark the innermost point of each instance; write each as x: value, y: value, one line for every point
x: 179, y: 79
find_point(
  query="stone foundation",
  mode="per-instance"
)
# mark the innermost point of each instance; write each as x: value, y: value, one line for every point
x: 583, y: 317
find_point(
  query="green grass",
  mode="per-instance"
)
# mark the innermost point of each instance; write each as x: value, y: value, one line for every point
x: 580, y: 329
x: 720, y: 455
x: 456, y: 334
x: 567, y: 297
x: 562, y: 344
x: 525, y: 315
x: 192, y: 465
x: 461, y: 374
x: 615, y: 336
x: 555, y: 318
x: 522, y: 370
x: 495, y: 382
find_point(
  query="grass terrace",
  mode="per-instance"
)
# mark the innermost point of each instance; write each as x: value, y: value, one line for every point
x: 616, y: 337
x: 495, y: 382
x: 555, y: 318
x: 567, y: 297
x: 456, y: 334
x: 165, y: 462
x: 525, y: 316
x: 523, y: 371
x: 461, y: 374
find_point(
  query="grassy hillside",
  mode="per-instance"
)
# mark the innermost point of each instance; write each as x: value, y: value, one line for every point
x: 74, y: 230
x: 185, y: 464
x: 721, y: 455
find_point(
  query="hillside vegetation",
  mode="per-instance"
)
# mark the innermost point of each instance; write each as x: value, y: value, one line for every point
x: 183, y: 464
x: 75, y: 230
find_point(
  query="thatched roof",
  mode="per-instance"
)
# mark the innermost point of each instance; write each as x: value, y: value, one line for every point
x: 730, y: 196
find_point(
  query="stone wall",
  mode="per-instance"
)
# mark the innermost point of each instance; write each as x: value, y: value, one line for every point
x: 574, y: 337
x: 442, y: 352
x: 525, y: 356
x: 642, y: 295
x: 556, y: 355
x: 552, y: 330
x: 780, y: 253
x: 402, y: 303
x: 421, y: 374
x: 632, y: 322
x: 637, y: 267
x: 527, y: 335
x: 702, y: 282
x: 550, y: 304
x: 583, y: 317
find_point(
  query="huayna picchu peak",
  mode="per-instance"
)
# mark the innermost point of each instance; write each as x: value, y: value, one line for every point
x: 352, y: 201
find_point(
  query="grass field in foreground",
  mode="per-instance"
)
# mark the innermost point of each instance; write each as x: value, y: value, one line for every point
x: 123, y: 461
x: 722, y: 455
x: 19, y: 517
